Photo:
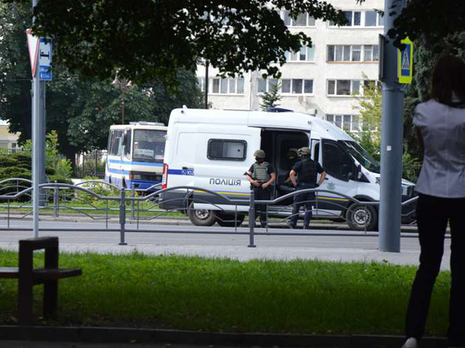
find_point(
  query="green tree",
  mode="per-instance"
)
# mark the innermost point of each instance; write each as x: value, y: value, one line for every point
x: 157, y: 38
x: 370, y: 108
x: 80, y: 111
x: 271, y: 98
x: 15, y: 71
x: 436, y: 20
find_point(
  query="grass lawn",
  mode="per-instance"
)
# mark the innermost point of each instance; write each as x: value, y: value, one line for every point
x: 230, y: 296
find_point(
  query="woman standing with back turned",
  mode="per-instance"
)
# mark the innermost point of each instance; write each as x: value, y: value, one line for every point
x: 441, y: 186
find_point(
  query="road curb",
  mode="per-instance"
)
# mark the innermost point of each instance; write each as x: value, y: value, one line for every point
x: 144, y: 335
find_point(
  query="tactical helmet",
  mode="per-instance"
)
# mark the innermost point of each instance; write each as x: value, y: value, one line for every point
x: 259, y: 154
x: 292, y: 153
x: 304, y: 151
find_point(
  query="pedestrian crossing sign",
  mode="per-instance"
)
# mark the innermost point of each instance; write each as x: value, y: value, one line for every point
x: 405, y: 62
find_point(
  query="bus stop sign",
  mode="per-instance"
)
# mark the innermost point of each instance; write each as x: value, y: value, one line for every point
x: 405, y: 62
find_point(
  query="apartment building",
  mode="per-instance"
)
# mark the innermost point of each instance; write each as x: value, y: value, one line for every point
x: 321, y: 79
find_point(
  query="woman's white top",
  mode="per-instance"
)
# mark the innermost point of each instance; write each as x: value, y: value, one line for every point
x: 443, y: 131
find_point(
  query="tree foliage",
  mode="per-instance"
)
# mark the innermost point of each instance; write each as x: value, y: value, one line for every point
x: 370, y: 109
x: 271, y: 98
x: 80, y: 111
x: 434, y: 19
x: 369, y: 137
x: 150, y: 38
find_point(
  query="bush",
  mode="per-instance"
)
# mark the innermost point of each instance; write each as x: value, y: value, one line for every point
x: 89, y: 169
x: 101, y: 189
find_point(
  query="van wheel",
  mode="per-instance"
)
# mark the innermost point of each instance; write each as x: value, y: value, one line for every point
x: 361, y: 217
x: 201, y: 217
x: 228, y: 220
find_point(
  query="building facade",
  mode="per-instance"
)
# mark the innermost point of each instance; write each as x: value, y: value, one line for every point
x: 8, y: 141
x: 322, y: 80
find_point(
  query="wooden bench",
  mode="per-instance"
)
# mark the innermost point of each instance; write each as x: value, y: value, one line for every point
x: 28, y: 276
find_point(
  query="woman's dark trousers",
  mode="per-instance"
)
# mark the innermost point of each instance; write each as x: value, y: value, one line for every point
x: 433, y: 214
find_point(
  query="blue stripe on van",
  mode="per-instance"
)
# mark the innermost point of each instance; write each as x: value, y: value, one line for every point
x: 136, y: 163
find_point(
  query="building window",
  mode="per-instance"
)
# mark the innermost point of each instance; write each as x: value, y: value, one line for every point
x: 302, y: 20
x: 297, y: 86
x: 265, y: 85
x: 350, y: 123
x: 354, y: 18
x: 373, y: 19
x: 227, y: 149
x: 352, y: 53
x: 370, y: 53
x: 201, y: 83
x: 343, y: 87
x: 358, y: 19
x: 226, y: 85
x: 306, y: 54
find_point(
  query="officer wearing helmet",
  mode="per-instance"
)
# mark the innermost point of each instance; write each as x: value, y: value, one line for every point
x: 293, y: 157
x: 304, y: 176
x: 286, y: 186
x: 261, y: 175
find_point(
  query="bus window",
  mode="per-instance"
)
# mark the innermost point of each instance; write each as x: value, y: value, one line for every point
x: 127, y: 145
x: 115, y: 143
x: 149, y: 145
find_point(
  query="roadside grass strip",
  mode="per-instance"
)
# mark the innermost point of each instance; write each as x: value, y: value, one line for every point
x: 222, y: 295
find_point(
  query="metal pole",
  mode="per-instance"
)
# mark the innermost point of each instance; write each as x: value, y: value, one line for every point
x: 42, y: 141
x: 55, y: 201
x: 8, y: 215
x: 252, y: 219
x: 391, y: 141
x: 132, y: 202
x: 206, y: 83
x: 122, y: 216
x: 35, y: 144
x: 123, y: 91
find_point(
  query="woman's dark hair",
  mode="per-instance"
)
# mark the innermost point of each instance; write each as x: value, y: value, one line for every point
x: 448, y: 77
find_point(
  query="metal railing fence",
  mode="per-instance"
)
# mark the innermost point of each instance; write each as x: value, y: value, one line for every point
x: 101, y: 201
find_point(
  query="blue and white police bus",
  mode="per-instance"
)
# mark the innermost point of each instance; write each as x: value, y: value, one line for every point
x: 135, y: 155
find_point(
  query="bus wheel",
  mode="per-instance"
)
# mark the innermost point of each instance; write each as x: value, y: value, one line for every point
x: 362, y: 217
x: 228, y: 220
x: 201, y: 217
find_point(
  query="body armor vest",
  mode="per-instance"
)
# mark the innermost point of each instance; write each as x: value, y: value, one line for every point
x: 308, y: 173
x: 260, y: 172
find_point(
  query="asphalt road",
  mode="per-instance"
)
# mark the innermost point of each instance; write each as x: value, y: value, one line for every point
x: 215, y: 241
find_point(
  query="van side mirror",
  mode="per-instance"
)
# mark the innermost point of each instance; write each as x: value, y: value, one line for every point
x: 359, y: 172
x: 125, y: 139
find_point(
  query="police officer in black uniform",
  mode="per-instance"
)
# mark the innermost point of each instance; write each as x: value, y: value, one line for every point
x: 307, y: 171
x: 261, y: 175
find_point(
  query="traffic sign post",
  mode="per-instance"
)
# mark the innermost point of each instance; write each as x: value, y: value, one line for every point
x: 390, y: 208
x: 33, y: 46
x: 405, y: 62
x: 45, y: 59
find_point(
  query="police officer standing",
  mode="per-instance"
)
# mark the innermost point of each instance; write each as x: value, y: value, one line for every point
x: 307, y: 171
x: 261, y: 175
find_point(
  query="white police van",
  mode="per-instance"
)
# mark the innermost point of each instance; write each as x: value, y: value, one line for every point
x: 212, y: 149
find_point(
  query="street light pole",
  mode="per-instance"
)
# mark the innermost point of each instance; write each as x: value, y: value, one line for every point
x: 123, y: 85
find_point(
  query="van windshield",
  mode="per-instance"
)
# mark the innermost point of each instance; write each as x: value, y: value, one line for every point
x: 149, y: 145
x: 361, y: 155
